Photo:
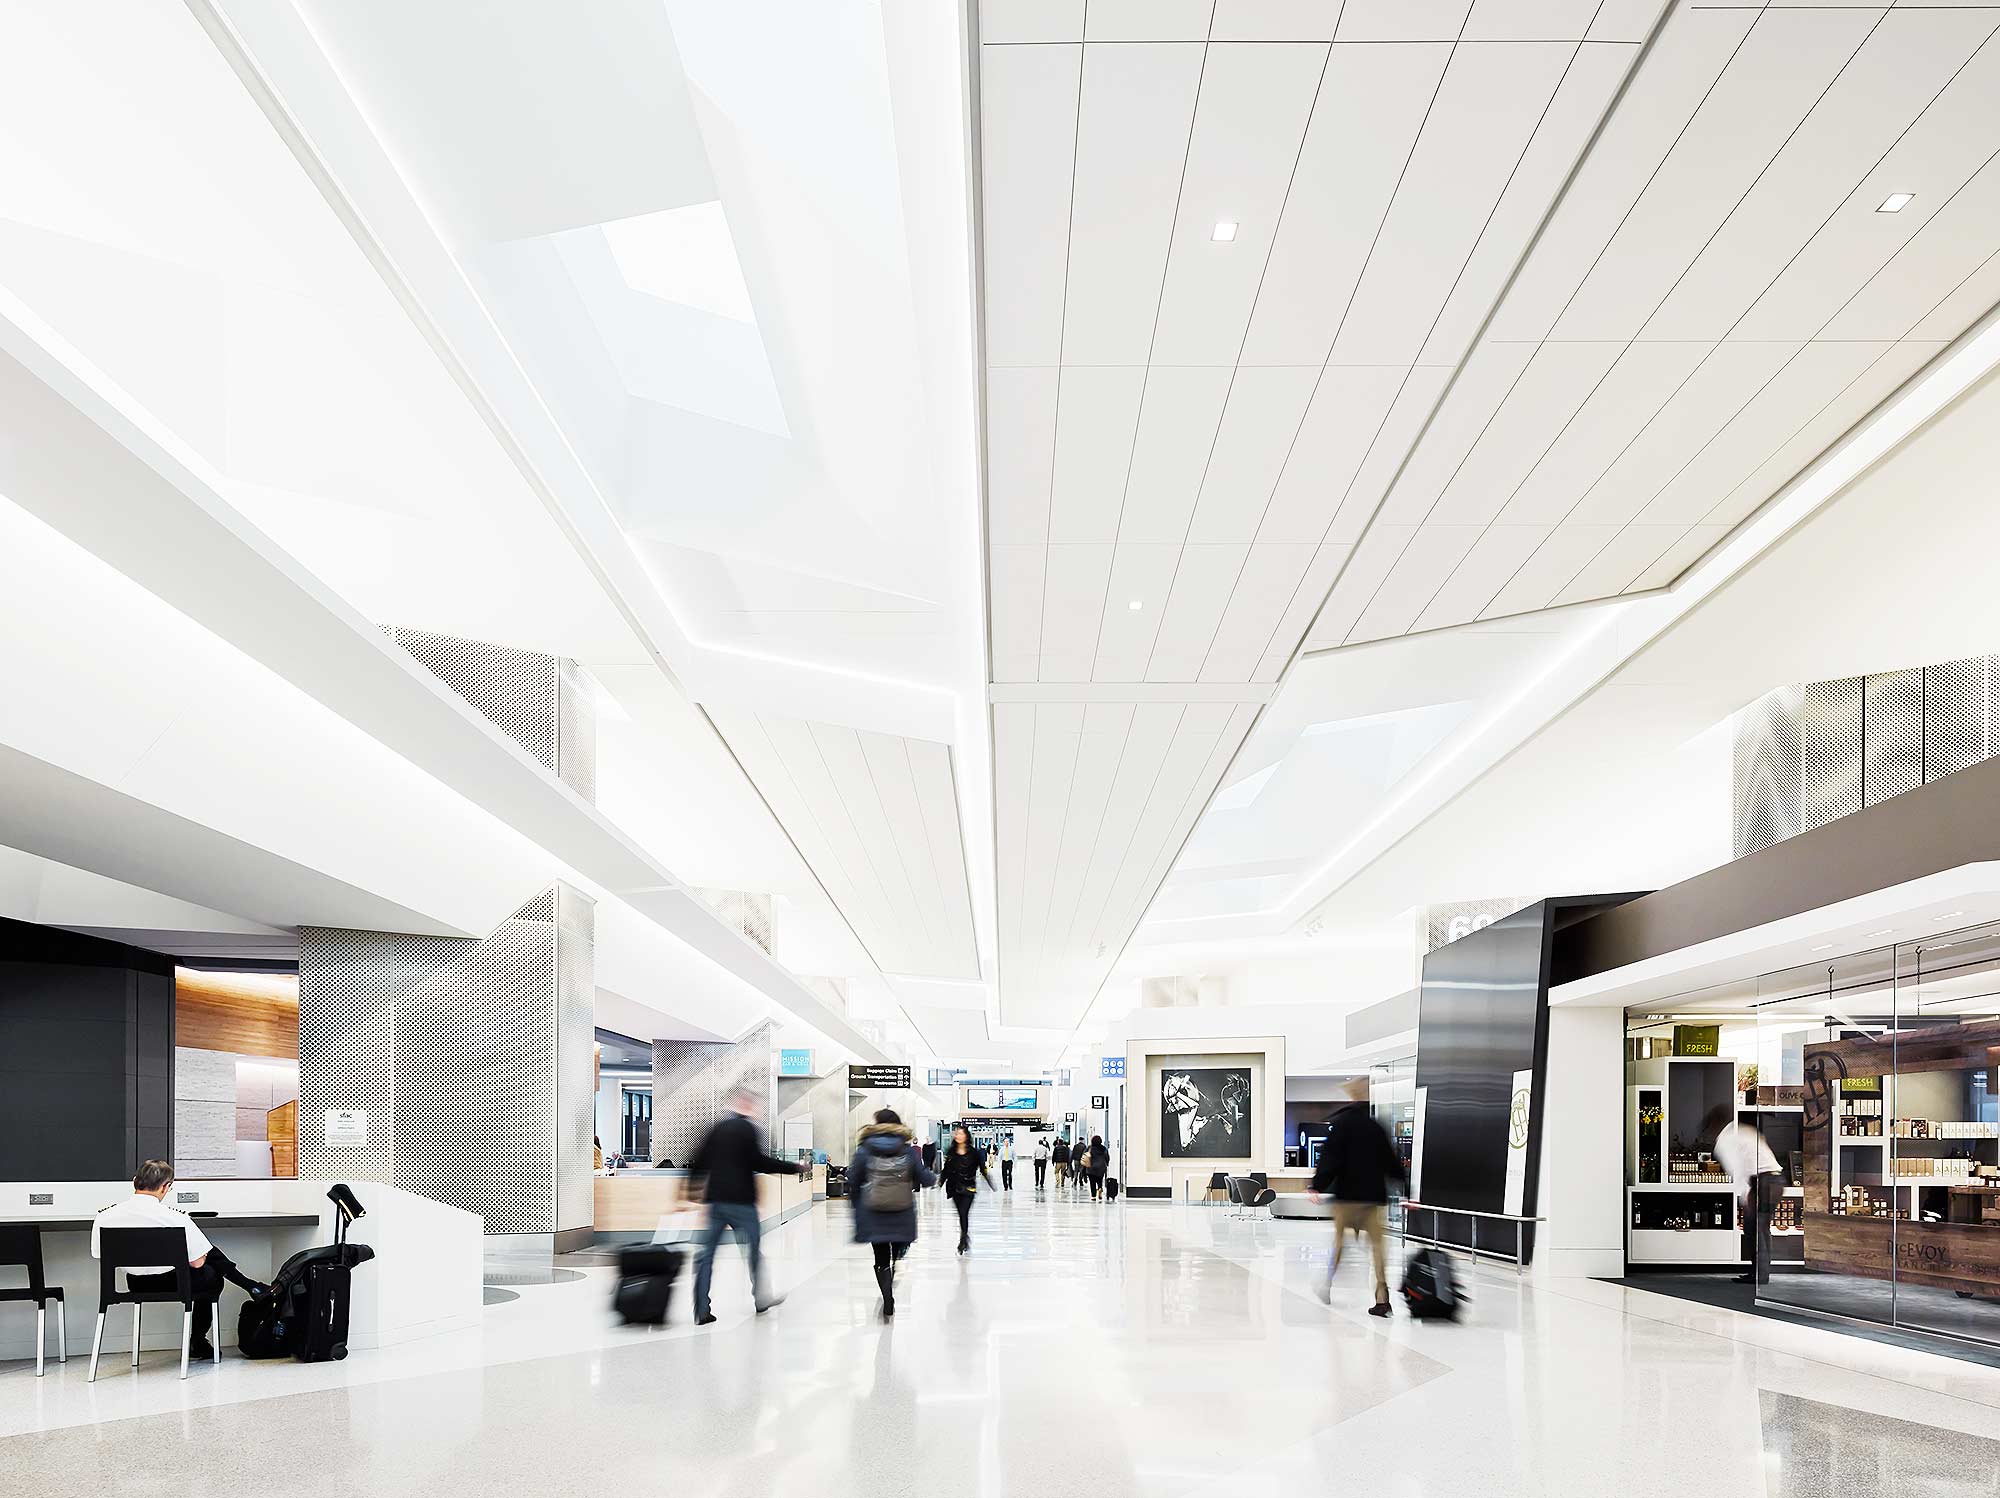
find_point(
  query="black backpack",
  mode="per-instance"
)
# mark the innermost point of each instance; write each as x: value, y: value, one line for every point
x: 1430, y: 1289
x: 891, y: 1183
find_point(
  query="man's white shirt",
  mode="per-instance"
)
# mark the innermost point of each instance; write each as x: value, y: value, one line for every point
x: 143, y: 1210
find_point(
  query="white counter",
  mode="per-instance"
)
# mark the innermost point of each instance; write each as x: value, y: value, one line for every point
x: 426, y: 1276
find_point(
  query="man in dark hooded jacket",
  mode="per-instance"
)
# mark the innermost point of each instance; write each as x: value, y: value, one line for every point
x: 1356, y: 1164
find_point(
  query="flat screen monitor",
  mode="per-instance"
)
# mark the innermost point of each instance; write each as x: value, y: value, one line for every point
x: 1002, y: 1100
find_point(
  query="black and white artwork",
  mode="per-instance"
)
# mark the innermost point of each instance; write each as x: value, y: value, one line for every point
x: 1205, y: 1113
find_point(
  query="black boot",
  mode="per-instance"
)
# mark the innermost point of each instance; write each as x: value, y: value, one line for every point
x: 226, y: 1266
x: 886, y: 1279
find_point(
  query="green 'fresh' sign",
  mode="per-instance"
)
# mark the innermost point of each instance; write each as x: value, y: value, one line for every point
x: 1697, y: 1040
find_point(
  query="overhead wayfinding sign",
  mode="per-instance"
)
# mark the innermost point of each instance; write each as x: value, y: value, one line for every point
x: 877, y: 1078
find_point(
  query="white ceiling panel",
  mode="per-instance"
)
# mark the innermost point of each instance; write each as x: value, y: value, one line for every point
x: 1020, y: 454
x: 1031, y: 20
x: 876, y: 818
x: 1792, y: 397
x: 1624, y: 557
x: 1072, y: 606
x: 1027, y: 144
x: 1643, y: 380
x: 1265, y: 408
x: 1097, y: 410
x: 1347, y: 409
x: 1728, y: 378
x: 1058, y: 737
x: 1951, y: 244
x: 1141, y: 573
x: 1370, y: 108
x: 1271, y: 574
x: 1625, y: 20
x: 1692, y: 49
x: 1963, y: 305
x: 1789, y: 454
x: 1898, y: 71
x: 1202, y: 587
x: 1306, y: 599
x: 1529, y: 20
x: 1493, y: 560
x: 1014, y: 599
x: 1402, y: 20
x: 1414, y: 402
x: 1178, y: 420
x: 1361, y: 574
x: 1487, y: 107
x: 1564, y: 552
x: 1131, y: 143
x: 1274, y: 20
x: 1538, y: 410
x: 1587, y: 87
x: 1147, y: 20
x: 1255, y: 101
x: 1425, y: 565
x: 1783, y: 66
x: 1694, y: 544
x: 1480, y: 390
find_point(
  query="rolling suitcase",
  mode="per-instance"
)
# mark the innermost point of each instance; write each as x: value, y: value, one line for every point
x: 1430, y: 1289
x: 646, y: 1275
x: 305, y: 1315
x: 1111, y: 1188
x: 322, y: 1334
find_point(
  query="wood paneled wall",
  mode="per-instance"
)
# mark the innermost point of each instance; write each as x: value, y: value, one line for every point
x: 251, y: 1014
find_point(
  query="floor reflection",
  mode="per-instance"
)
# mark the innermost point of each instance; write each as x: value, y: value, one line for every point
x: 1815, y: 1450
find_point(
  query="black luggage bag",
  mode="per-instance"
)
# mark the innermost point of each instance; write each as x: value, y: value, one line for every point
x: 305, y: 1315
x: 646, y: 1275
x: 1430, y: 1289
x: 1111, y: 1188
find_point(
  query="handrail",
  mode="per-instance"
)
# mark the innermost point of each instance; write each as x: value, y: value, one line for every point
x: 1519, y: 1258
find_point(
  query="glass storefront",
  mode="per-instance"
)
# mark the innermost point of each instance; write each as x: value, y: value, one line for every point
x: 1831, y: 1132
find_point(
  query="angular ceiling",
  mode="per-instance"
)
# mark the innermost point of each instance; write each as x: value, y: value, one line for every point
x: 1310, y: 325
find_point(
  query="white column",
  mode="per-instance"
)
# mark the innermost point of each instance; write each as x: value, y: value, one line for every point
x: 1582, y: 1192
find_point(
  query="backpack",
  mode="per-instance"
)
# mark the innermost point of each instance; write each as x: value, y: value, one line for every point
x: 891, y: 1185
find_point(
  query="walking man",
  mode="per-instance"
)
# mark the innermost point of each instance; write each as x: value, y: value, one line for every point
x: 1356, y: 1165
x: 1041, y: 1163
x: 726, y: 1165
x: 1007, y: 1160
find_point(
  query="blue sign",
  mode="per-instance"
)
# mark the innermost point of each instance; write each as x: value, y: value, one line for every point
x: 795, y: 1063
x: 1111, y: 1066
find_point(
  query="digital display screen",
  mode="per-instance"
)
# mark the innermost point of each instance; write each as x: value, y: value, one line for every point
x: 1002, y: 1100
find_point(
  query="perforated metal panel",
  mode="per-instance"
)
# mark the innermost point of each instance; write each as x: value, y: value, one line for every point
x: 471, y: 1059
x: 1766, y: 771
x: 1804, y: 755
x: 544, y: 703
x: 1892, y: 739
x: 1830, y: 750
x: 744, y: 912
x: 692, y: 1078
x: 1955, y: 726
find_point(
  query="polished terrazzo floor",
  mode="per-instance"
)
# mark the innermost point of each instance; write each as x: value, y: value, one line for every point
x: 1083, y: 1349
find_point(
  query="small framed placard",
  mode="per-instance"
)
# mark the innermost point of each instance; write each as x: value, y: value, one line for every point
x: 346, y: 1128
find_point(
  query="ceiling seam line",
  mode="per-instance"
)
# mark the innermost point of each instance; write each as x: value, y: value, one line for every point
x: 1243, y: 342
x: 881, y: 884
x: 1055, y: 858
x: 930, y: 849
x: 1062, y: 333
x: 1152, y: 790
x: 895, y: 842
x: 1124, y: 745
x: 1145, y: 381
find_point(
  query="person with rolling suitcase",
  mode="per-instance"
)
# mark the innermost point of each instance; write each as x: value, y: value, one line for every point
x: 646, y: 1275
x: 726, y: 1165
x: 1356, y: 1164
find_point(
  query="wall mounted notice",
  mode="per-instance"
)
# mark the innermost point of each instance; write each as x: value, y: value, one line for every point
x: 873, y: 1078
x: 346, y: 1128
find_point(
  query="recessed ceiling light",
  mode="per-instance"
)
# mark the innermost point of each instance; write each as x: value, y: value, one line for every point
x: 1896, y: 202
x: 1949, y: 915
x: 1225, y: 229
x: 1825, y: 946
x: 1135, y: 605
x: 1885, y: 931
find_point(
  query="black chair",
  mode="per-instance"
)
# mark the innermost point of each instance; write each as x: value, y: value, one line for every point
x: 122, y: 1248
x: 1260, y: 1178
x: 21, y: 1244
x: 1219, y: 1181
x: 1250, y: 1194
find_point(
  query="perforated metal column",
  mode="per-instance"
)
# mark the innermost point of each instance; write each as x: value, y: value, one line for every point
x: 545, y: 703
x: 470, y: 1059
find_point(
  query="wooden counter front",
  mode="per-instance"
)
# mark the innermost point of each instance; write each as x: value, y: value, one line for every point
x: 634, y: 1201
x: 1947, y: 1255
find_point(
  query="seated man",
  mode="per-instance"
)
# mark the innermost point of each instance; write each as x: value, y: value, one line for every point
x: 147, y: 1208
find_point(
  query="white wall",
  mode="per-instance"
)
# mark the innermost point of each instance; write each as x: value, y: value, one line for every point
x: 1582, y: 1188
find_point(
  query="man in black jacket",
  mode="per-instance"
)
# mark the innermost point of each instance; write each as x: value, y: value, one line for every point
x: 1356, y: 1164
x: 726, y: 1165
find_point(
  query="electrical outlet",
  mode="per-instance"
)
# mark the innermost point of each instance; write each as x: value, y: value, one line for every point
x: 187, y: 1196
x: 41, y: 1198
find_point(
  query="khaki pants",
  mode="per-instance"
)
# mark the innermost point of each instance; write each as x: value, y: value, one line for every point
x: 1371, y: 1220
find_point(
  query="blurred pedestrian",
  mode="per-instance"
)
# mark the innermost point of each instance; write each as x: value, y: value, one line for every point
x: 1097, y: 1161
x: 883, y: 1178
x: 1357, y: 1163
x: 725, y: 1167
x: 1041, y: 1162
x: 961, y: 1168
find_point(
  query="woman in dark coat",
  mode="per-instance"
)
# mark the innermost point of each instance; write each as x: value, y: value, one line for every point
x: 886, y: 1151
x: 960, y: 1168
x: 1097, y: 1162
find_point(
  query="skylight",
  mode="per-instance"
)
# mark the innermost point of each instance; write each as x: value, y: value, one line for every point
x: 683, y: 255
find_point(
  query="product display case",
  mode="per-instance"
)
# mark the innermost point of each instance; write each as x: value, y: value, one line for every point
x: 1681, y: 1206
